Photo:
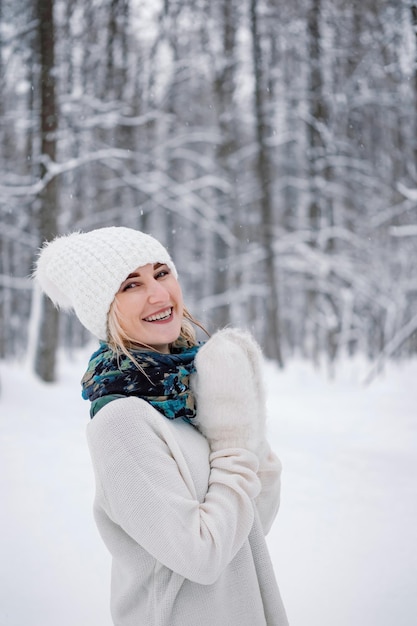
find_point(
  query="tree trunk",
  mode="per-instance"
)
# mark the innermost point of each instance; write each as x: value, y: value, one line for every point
x: 224, y: 89
x: 320, y: 210
x: 45, y: 359
x: 264, y: 173
x: 414, y: 22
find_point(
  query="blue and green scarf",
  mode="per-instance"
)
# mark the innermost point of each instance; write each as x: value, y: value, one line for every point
x: 164, y: 382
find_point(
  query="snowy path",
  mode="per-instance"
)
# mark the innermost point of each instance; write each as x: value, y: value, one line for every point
x: 344, y: 545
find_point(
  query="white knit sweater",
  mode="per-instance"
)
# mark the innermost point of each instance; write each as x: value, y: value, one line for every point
x: 187, y: 541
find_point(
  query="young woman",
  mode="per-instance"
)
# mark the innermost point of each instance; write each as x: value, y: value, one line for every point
x: 186, y: 483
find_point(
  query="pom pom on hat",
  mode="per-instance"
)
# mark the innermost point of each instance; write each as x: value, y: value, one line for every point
x: 84, y: 271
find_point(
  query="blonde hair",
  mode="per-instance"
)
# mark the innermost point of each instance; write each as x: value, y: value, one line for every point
x: 120, y: 342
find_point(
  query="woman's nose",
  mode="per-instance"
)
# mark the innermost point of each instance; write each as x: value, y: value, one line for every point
x: 157, y: 292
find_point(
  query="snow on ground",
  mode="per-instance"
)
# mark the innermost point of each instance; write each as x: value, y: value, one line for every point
x: 344, y: 544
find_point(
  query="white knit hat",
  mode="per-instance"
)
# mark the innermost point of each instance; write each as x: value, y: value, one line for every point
x: 84, y: 271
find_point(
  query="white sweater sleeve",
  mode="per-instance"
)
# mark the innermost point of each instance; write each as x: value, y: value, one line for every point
x: 145, y: 492
x: 269, y: 473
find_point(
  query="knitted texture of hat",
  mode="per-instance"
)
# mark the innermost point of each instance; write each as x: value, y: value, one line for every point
x: 84, y: 271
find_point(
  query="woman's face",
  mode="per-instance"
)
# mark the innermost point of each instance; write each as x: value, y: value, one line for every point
x: 150, y: 306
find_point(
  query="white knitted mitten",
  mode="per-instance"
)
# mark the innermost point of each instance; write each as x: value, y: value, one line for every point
x: 255, y: 356
x: 228, y: 387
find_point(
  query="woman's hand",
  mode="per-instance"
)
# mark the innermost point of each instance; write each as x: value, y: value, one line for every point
x: 229, y: 391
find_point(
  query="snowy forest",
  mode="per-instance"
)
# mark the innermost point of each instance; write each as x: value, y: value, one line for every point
x: 270, y: 145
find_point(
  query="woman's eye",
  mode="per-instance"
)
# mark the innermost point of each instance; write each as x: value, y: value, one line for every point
x: 162, y: 273
x: 130, y: 286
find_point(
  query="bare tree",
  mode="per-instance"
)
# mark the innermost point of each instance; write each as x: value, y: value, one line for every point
x: 224, y: 83
x: 264, y: 174
x: 45, y: 361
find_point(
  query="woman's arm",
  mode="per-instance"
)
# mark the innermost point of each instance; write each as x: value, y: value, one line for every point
x: 269, y: 473
x: 231, y: 399
x: 145, y: 492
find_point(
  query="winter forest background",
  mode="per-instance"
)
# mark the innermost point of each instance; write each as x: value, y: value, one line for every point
x: 271, y: 145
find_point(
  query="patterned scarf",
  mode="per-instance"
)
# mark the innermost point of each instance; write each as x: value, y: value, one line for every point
x: 165, y: 384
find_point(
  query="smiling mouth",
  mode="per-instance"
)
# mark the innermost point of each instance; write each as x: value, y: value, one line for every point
x: 159, y: 317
